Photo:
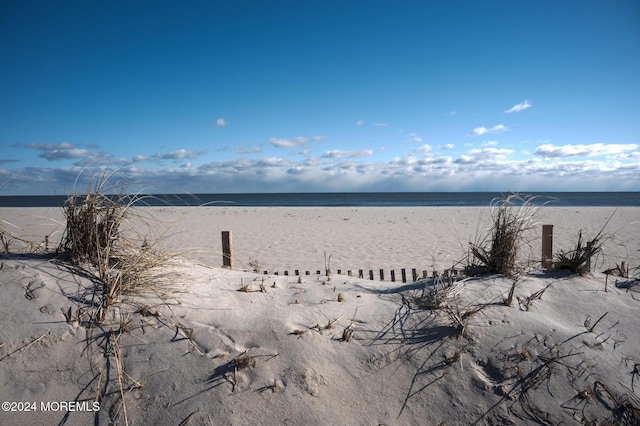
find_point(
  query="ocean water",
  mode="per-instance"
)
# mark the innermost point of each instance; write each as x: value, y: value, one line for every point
x: 351, y: 199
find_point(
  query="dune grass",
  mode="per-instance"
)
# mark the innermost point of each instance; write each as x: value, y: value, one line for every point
x: 498, y: 251
x: 578, y: 260
x: 118, y: 243
x: 100, y: 238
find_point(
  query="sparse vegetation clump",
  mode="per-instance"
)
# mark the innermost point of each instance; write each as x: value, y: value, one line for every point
x: 498, y: 252
x: 578, y: 260
x: 100, y: 238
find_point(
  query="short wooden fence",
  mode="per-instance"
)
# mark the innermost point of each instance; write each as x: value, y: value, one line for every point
x: 416, y: 274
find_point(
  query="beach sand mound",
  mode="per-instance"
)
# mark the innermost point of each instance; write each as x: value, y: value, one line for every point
x: 218, y: 346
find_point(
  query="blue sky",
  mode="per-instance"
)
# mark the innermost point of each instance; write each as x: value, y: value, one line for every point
x: 281, y: 96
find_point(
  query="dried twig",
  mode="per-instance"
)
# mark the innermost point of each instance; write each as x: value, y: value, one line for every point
x: 26, y: 346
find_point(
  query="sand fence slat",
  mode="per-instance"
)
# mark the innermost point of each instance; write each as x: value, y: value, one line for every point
x: 547, y: 246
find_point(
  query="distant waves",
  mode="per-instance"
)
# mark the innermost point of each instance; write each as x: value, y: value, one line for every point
x: 352, y: 199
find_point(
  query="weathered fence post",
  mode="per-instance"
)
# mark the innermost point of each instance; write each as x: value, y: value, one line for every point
x: 227, y: 250
x: 547, y: 246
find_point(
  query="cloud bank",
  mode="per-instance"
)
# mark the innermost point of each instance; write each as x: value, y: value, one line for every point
x: 292, y: 143
x: 592, y: 150
x: 591, y: 167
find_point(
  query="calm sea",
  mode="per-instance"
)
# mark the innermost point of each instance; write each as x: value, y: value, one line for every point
x: 353, y: 199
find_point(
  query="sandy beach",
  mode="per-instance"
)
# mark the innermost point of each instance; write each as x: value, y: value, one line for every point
x: 288, y: 238
x: 324, y: 350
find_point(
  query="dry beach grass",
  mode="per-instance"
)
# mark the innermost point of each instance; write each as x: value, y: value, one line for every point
x: 171, y: 340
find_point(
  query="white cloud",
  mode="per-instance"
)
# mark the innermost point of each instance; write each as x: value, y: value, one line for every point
x: 519, y: 107
x: 64, y: 154
x: 359, y: 123
x: 493, y: 152
x: 447, y: 146
x: 291, y: 143
x: 221, y: 122
x: 380, y: 124
x: 181, y: 154
x: 482, y: 130
x: 337, y: 153
x: 484, y: 155
x: 244, y: 150
x: 273, y: 162
x: 591, y: 150
x: 59, y: 151
x: 50, y: 146
x: 635, y: 154
x: 414, y: 138
x: 466, y: 159
x: 423, y: 149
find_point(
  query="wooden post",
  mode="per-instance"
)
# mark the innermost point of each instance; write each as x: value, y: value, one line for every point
x: 227, y: 250
x: 414, y: 274
x: 547, y: 246
x: 393, y: 275
x: 381, y: 274
x: 371, y: 274
x: 404, y: 275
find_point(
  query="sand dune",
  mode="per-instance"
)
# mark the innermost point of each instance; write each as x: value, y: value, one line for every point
x: 324, y: 350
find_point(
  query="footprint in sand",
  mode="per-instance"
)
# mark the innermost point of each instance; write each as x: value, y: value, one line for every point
x: 490, y: 378
x: 313, y: 381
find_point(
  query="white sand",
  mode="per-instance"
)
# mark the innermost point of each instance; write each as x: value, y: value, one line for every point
x: 356, y: 238
x: 405, y: 364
